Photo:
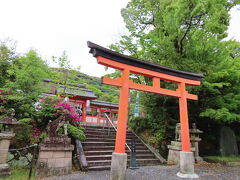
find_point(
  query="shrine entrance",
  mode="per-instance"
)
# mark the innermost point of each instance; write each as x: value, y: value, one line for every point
x: 129, y: 65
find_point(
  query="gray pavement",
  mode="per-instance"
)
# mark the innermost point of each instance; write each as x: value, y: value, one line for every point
x: 205, y: 171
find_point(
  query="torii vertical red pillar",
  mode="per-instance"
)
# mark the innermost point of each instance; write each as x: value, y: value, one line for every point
x: 183, y: 111
x: 129, y: 65
x: 123, y: 114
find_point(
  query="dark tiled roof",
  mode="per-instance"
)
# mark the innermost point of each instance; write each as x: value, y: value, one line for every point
x: 77, y: 92
x: 70, y: 84
x: 97, y: 50
x: 103, y: 103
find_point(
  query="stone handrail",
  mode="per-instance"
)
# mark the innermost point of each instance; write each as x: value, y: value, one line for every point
x: 80, y: 155
x: 115, y: 129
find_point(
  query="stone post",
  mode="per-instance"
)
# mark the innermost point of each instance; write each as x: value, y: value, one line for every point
x: 5, y: 139
x: 55, y: 157
x: 187, y: 165
x: 118, y: 166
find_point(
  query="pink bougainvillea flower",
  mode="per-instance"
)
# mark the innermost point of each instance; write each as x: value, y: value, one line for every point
x: 66, y: 108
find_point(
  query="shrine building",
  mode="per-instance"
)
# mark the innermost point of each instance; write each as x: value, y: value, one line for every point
x: 90, y: 110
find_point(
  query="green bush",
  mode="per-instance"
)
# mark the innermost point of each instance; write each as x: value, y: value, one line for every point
x: 139, y: 124
x: 23, y: 132
x: 76, y: 132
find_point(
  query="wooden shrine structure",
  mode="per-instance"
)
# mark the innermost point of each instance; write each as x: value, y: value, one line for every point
x: 90, y: 110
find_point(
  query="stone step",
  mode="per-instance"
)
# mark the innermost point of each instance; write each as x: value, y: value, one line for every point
x: 93, y: 139
x: 108, y: 147
x: 99, y: 168
x: 102, y: 168
x: 108, y: 162
x: 99, y: 163
x: 95, y: 127
x: 89, y: 148
x: 104, y: 132
x: 109, y: 157
x: 109, y: 152
x: 100, y: 143
x: 101, y: 129
x: 96, y: 135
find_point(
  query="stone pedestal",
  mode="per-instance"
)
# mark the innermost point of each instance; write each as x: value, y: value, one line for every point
x: 187, y: 165
x: 55, y: 157
x: 5, y: 139
x: 196, y: 153
x: 118, y: 166
x: 174, y: 152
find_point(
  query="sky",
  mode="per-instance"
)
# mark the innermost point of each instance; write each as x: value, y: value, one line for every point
x: 54, y: 26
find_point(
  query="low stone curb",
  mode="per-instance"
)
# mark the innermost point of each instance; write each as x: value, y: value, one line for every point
x: 224, y: 163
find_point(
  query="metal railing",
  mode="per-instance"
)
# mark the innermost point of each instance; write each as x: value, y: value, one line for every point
x: 109, y: 120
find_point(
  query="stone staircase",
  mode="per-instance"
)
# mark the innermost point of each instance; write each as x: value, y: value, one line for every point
x: 99, y: 146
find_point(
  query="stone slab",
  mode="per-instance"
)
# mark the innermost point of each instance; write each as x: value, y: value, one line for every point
x: 4, y: 170
x: 228, y: 142
x: 224, y: 163
x: 189, y: 176
x: 187, y: 165
x: 63, y: 162
x: 233, y: 164
x: 173, y: 156
x: 58, y: 154
x: 7, y: 135
x: 45, y: 154
x: 4, y: 145
x: 57, y: 148
x: 68, y: 154
x: 54, y: 160
x: 118, y: 166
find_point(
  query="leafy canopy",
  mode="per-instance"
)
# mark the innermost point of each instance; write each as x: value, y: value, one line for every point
x: 189, y: 36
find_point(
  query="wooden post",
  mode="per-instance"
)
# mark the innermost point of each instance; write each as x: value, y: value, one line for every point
x: 84, y: 111
x: 123, y: 113
x: 183, y: 110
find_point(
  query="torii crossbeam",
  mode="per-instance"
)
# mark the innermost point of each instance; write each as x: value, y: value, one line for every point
x: 130, y: 65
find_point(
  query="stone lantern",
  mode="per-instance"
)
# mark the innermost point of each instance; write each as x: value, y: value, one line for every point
x: 6, y: 134
x: 176, y: 146
x: 195, y: 139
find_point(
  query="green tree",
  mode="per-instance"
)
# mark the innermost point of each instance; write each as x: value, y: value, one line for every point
x: 189, y: 36
x: 7, y: 57
x: 27, y: 72
x: 65, y: 74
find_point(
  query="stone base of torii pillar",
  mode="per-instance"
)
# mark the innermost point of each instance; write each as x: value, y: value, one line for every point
x: 118, y: 166
x: 187, y: 165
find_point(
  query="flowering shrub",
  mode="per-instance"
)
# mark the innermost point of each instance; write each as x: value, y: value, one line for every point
x: 3, y: 101
x: 66, y: 108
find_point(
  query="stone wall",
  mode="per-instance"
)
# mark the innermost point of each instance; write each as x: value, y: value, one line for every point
x: 54, y: 160
x: 4, y: 145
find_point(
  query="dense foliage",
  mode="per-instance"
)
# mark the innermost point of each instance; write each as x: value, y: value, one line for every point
x: 189, y: 36
x: 21, y: 88
x: 77, y: 132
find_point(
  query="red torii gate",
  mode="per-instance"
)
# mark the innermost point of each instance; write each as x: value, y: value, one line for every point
x: 129, y: 65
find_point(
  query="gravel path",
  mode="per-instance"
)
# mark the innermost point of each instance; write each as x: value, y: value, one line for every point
x: 205, y: 171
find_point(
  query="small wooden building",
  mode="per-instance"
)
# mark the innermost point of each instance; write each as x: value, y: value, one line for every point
x: 90, y: 110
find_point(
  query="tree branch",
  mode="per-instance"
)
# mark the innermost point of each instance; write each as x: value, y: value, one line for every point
x: 184, y: 36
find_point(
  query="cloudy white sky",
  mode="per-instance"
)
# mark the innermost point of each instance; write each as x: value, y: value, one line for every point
x: 52, y: 26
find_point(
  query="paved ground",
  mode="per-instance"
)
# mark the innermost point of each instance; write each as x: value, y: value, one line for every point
x: 205, y: 171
